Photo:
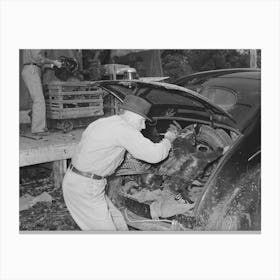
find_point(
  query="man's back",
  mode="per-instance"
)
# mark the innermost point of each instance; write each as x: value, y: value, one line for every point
x: 98, y: 151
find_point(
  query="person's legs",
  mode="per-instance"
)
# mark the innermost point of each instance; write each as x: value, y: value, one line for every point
x: 32, y: 79
x: 85, y: 200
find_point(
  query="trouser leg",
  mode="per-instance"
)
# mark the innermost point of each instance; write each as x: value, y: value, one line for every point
x: 85, y: 200
x: 32, y: 79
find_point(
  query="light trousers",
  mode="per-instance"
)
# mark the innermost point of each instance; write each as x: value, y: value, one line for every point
x: 89, y: 206
x: 31, y: 75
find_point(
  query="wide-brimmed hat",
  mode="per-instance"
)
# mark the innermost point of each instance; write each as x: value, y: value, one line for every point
x: 137, y: 105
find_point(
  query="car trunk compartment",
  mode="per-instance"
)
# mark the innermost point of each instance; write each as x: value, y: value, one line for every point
x: 139, y: 178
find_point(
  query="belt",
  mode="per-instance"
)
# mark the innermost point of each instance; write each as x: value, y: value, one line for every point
x: 85, y: 174
x: 31, y: 64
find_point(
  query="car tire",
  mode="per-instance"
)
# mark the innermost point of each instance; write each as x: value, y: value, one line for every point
x: 212, y: 137
x: 67, y: 126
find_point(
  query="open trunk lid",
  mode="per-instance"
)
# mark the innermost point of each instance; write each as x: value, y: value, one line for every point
x: 165, y: 95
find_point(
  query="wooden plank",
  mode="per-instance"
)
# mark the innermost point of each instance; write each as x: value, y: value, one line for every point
x: 56, y: 146
x: 52, y: 91
x: 68, y: 115
x: 92, y: 110
x: 77, y: 92
x: 52, y: 105
x: 76, y: 109
x: 73, y: 96
x: 46, y: 154
x: 64, y: 88
x: 83, y: 114
x: 74, y: 83
x: 72, y: 101
x: 59, y: 169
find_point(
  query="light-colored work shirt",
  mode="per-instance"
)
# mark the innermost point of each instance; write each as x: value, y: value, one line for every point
x: 34, y: 56
x: 104, y: 142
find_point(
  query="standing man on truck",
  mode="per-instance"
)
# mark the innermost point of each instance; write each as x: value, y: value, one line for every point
x: 33, y: 60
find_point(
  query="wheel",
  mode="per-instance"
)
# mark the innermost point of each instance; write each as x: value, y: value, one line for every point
x: 66, y: 126
x: 214, y: 138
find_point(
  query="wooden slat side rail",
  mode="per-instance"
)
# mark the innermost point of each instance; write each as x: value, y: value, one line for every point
x: 74, y: 114
x: 73, y: 84
x: 79, y: 109
x: 73, y: 100
x: 57, y: 102
x: 78, y: 92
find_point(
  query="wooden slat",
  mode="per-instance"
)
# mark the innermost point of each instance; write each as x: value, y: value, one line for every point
x: 52, y: 105
x: 68, y: 115
x: 77, y: 92
x: 56, y: 146
x: 79, y: 109
x: 71, y: 87
x: 46, y: 154
x: 54, y: 102
x: 73, y: 98
x: 59, y: 169
x: 61, y: 83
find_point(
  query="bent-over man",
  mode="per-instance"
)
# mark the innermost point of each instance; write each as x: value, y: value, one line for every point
x: 100, y: 151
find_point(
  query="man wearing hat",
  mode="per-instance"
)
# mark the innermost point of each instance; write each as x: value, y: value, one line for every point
x: 99, y: 153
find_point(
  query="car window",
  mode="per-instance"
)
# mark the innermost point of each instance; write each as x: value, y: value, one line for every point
x: 196, y: 88
x: 220, y: 96
x: 193, y: 83
x: 161, y: 97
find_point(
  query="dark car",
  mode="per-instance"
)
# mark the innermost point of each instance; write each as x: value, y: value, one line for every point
x: 211, y: 179
x: 194, y: 81
x: 211, y: 85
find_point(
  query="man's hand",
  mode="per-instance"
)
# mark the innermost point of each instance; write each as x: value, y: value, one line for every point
x: 57, y: 63
x: 173, y: 128
x: 171, y: 133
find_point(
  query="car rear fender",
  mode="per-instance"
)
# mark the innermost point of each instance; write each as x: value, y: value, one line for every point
x: 224, y: 182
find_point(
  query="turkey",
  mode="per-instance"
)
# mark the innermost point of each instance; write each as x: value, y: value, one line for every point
x: 188, y: 166
x: 184, y: 164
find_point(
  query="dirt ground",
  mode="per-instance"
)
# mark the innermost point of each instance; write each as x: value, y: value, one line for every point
x: 43, y: 216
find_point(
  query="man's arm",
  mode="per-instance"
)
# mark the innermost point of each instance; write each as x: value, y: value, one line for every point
x: 143, y: 148
x: 41, y: 59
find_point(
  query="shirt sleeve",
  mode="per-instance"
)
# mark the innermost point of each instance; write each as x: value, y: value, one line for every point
x: 143, y: 148
x: 38, y: 57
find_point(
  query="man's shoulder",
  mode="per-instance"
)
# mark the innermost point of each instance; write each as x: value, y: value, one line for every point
x: 105, y: 122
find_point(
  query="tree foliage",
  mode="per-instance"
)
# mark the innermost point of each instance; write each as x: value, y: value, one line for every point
x: 175, y: 64
x: 178, y: 63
